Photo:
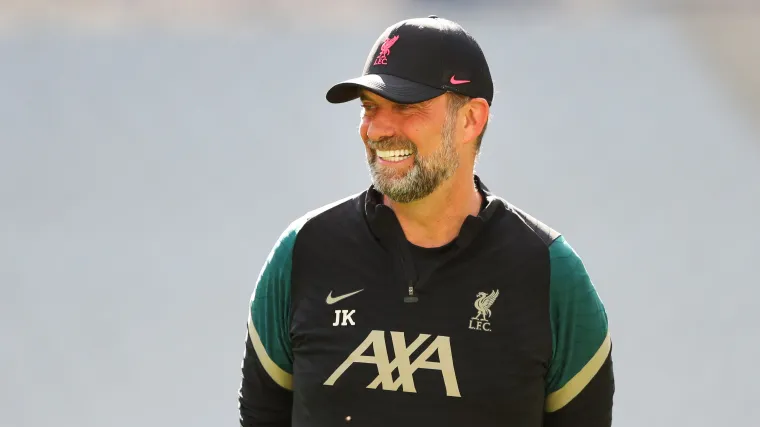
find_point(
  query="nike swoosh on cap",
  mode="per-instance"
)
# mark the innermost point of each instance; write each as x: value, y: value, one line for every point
x: 454, y: 81
x: 332, y: 300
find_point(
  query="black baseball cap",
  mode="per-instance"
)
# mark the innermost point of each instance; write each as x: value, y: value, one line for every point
x: 419, y: 59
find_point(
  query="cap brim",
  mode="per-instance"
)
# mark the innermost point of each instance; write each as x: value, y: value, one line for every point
x: 390, y: 87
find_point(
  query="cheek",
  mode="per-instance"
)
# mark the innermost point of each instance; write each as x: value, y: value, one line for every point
x: 423, y: 133
x: 423, y: 141
x: 364, y: 128
x: 363, y: 135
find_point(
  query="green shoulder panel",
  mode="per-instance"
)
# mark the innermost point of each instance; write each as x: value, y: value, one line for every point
x: 269, y: 315
x: 580, y: 336
x: 269, y: 320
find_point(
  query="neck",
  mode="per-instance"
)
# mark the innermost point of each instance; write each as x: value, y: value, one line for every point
x: 436, y: 220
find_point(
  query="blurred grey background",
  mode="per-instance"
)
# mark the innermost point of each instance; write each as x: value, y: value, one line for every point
x: 152, y: 151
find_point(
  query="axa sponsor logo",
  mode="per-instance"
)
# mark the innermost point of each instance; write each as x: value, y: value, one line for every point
x: 375, y: 344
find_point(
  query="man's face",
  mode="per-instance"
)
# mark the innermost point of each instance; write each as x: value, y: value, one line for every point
x: 411, y: 149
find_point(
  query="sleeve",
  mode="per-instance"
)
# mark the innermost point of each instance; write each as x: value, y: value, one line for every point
x: 580, y: 381
x: 265, y: 396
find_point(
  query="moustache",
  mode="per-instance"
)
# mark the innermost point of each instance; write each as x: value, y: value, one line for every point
x: 392, y: 144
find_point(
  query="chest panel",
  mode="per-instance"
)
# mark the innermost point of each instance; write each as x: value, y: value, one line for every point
x: 476, y: 344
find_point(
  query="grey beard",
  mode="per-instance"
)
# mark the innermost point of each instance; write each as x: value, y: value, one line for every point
x: 415, y: 184
x: 425, y: 176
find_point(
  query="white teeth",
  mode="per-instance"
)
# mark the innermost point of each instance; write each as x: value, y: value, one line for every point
x: 394, y: 154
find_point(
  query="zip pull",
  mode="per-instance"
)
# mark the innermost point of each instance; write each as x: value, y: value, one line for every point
x: 411, y: 297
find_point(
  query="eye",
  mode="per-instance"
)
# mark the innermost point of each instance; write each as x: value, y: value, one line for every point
x: 367, y: 110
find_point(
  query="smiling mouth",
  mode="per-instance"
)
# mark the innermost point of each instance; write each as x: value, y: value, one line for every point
x: 394, y: 155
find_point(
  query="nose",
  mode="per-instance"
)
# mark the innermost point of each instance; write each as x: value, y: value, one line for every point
x: 379, y: 126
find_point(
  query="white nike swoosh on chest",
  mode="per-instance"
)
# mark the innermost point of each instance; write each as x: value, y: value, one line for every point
x: 333, y: 300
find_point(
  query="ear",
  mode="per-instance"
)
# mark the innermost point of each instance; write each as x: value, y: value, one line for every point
x: 476, y: 115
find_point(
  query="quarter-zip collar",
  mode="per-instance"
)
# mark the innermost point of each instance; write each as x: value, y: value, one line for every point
x: 385, y: 226
x: 387, y: 230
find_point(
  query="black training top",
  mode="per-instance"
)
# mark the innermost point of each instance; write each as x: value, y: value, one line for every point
x: 350, y: 324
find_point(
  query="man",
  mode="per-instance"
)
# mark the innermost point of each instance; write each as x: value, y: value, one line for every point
x: 425, y: 300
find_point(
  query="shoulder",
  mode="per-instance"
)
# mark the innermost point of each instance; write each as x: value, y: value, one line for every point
x: 517, y: 221
x: 325, y: 220
x: 541, y: 230
x: 332, y: 213
x: 518, y: 226
x: 278, y: 264
x: 562, y: 256
x: 315, y: 224
x: 533, y: 233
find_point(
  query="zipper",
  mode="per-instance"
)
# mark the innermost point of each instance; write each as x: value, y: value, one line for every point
x: 409, y: 273
x: 412, y: 297
x: 413, y: 279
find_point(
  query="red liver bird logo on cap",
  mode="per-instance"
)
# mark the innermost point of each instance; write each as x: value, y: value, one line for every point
x: 385, y: 50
